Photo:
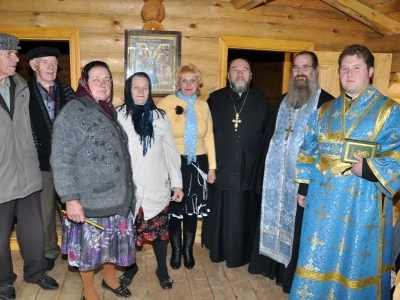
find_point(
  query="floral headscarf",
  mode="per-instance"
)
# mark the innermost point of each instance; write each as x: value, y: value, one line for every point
x: 84, y: 90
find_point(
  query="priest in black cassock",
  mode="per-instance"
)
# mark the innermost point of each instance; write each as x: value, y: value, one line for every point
x: 240, y: 117
x: 276, y: 244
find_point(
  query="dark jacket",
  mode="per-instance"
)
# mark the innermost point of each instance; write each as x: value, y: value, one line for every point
x: 236, y: 151
x: 42, y: 127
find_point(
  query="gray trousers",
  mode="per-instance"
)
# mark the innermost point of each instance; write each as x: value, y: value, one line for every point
x: 48, y: 201
x: 29, y: 235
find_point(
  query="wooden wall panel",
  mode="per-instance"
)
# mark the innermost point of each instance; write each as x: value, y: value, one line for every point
x: 102, y: 24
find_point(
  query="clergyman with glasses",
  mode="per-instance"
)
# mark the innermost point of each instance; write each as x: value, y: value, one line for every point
x: 276, y: 244
x: 240, y: 117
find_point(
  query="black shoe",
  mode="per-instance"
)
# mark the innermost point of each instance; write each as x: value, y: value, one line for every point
x: 165, y: 283
x: 7, y: 292
x: 130, y: 272
x: 47, y: 283
x: 187, y: 249
x: 50, y: 263
x: 176, y: 245
x: 121, y: 291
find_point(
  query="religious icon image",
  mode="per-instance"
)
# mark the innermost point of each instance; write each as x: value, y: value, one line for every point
x: 156, y: 53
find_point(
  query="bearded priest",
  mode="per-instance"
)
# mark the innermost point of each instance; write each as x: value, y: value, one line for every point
x: 240, y: 117
x: 276, y: 244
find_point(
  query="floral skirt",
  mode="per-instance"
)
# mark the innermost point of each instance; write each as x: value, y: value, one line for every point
x: 88, y: 247
x: 153, y: 229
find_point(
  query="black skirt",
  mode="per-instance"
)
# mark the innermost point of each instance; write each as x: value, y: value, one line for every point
x: 228, y: 232
x: 194, y: 187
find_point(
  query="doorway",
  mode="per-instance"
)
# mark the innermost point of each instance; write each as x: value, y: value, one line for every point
x: 51, y: 35
x: 63, y: 72
x: 328, y: 61
x: 274, y: 56
x: 268, y: 69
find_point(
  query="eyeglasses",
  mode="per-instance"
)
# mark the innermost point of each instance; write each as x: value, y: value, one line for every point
x: 296, y: 68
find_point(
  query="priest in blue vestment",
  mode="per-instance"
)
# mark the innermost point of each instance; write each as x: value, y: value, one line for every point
x: 277, y: 240
x: 345, y: 247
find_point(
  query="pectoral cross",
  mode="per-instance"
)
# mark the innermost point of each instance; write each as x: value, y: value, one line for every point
x: 236, y: 121
x: 288, y: 132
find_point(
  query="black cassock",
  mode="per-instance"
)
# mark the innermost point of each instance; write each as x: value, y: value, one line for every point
x: 260, y: 264
x: 229, y: 229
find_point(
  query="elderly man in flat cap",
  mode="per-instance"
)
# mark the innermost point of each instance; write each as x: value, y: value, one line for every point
x: 47, y: 97
x: 21, y: 180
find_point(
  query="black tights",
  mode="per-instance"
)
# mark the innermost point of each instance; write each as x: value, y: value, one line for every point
x: 189, y: 223
x: 160, y: 251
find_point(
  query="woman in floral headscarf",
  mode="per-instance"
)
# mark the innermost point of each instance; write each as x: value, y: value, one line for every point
x: 92, y: 175
x: 193, y: 131
x: 156, y: 170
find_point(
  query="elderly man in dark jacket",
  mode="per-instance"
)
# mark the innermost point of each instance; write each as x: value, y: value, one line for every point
x: 47, y: 97
x: 20, y: 176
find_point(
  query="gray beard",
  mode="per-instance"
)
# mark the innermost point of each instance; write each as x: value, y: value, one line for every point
x: 239, y: 88
x: 300, y: 93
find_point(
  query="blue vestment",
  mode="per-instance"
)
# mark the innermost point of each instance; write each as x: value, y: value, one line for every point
x: 345, y: 249
x: 279, y: 195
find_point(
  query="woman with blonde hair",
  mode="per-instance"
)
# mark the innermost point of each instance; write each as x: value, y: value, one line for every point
x: 193, y: 132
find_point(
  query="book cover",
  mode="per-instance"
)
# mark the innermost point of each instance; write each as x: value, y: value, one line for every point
x: 363, y: 148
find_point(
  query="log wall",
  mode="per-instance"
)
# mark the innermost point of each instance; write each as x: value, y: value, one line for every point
x: 102, y: 24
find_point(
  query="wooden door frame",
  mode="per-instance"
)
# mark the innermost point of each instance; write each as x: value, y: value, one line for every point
x: 57, y: 34
x: 251, y: 43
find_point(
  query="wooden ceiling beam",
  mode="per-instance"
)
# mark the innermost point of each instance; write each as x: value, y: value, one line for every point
x: 366, y: 15
x: 248, y: 4
x: 384, y: 44
x: 388, y: 7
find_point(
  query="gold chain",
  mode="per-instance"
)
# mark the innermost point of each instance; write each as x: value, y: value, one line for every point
x: 234, y: 106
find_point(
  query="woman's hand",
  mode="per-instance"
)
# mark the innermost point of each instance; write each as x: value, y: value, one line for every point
x: 178, y: 194
x: 211, y: 176
x: 301, y: 200
x: 75, y: 211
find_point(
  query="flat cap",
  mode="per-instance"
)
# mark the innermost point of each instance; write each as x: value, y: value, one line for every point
x: 8, y: 42
x: 43, y: 51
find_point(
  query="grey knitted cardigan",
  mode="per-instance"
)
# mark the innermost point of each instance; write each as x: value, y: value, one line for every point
x: 90, y: 160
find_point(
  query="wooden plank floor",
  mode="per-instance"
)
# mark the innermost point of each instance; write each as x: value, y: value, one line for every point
x: 205, y: 281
